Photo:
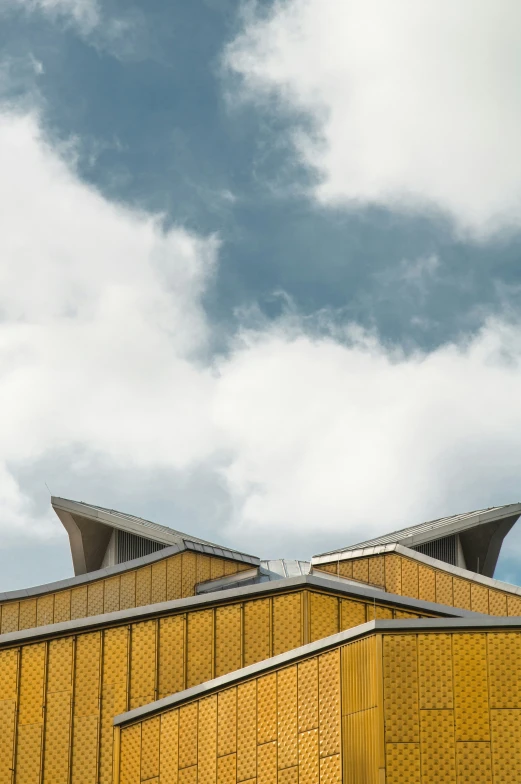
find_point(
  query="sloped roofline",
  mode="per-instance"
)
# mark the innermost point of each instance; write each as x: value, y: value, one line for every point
x: 499, y: 520
x: 88, y: 527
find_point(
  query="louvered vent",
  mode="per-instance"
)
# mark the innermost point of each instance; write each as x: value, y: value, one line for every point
x: 131, y: 546
x: 445, y: 549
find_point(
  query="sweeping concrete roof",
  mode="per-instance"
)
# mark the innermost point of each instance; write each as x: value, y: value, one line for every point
x: 481, y: 535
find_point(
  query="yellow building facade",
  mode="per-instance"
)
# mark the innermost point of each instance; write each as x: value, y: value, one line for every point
x: 189, y: 662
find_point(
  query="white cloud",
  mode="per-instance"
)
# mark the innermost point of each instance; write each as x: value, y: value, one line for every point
x: 104, y: 349
x: 414, y: 105
x: 84, y: 13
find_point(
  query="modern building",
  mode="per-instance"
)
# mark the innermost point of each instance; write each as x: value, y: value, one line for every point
x: 168, y: 659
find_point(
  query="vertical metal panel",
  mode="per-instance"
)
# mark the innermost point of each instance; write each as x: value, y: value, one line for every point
x: 200, y: 647
x: 95, y: 598
x: 438, y: 761
x: 361, y: 758
x: 173, y: 577
x: 87, y: 674
x: 444, y: 593
x: 474, y: 762
x: 27, y: 614
x: 114, y: 697
x: 10, y: 617
x: 57, y: 737
x: 59, y: 668
x: 497, y: 603
x: 361, y: 569
x: 62, y: 606
x: 32, y: 684
x: 324, y: 612
x: 143, y: 659
x: 45, y: 610
x: 188, y: 735
x: 307, y: 675
x: 266, y: 763
x: 329, y: 568
x: 358, y: 661
x: 172, y: 633
x: 7, y: 725
x: 143, y: 586
x: 376, y: 571
x: 403, y: 763
x: 158, y: 589
x: 345, y: 568
x: 404, y: 614
x: 9, y: 660
x: 506, y: 745
x: 329, y: 702
x: 426, y: 583
x: 402, y: 721
x: 289, y: 775
x: 478, y: 598
x: 435, y: 671
x: 111, y: 595
x: 130, y: 754
x: 379, y: 610
x: 207, y: 747
x: 331, y: 770
x: 150, y: 748
x: 230, y: 567
x: 257, y: 643
x: 227, y: 769
x: 189, y: 574
x: 127, y: 597
x: 188, y: 775
x: 79, y: 602
x: 393, y: 574
x: 409, y: 578
x: 471, y: 687
x: 287, y: 631
x: 169, y: 747
x: 85, y: 750
x: 461, y: 589
x: 287, y: 725
x: 247, y: 736
x: 227, y: 722
x: 228, y: 639
x: 351, y: 614
x: 267, y: 708
x: 504, y: 648
x: 203, y: 568
x: 308, y: 759
x: 28, y: 754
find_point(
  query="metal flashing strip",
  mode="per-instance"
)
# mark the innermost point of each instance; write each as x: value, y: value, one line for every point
x: 458, y: 571
x: 333, y: 586
x: 311, y: 649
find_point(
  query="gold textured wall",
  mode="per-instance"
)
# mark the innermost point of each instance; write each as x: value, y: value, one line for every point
x: 62, y: 693
x: 284, y: 727
x: 406, y: 577
x: 174, y: 577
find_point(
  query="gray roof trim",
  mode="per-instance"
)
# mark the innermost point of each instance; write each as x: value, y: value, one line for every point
x: 128, y: 566
x: 457, y: 571
x: 435, y: 529
x: 336, y: 586
x: 312, y: 649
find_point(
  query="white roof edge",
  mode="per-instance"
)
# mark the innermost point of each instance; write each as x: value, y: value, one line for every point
x: 364, y: 552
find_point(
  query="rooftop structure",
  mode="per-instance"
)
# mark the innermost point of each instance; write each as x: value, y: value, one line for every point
x: 167, y: 658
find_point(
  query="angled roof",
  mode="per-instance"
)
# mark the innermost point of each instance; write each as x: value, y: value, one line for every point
x: 90, y: 528
x: 485, y: 544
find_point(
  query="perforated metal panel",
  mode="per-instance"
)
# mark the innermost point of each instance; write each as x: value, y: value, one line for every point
x: 324, y: 612
x: 207, y: 751
x: 437, y: 747
x: 188, y: 735
x: 62, y: 607
x: 287, y: 721
x: 174, y: 588
x: 32, y: 684
x: 402, y: 721
x: 227, y: 723
x: 131, y: 755
x: 143, y: 663
x: 27, y: 614
x: 444, y: 594
x: 158, y: 590
x: 169, y: 747
x: 266, y: 763
x: 111, y: 595
x: 172, y: 654
x: 393, y: 574
x: 287, y: 622
x: 308, y: 759
x: 267, y: 708
x: 435, y: 671
x: 228, y: 639
x: 87, y: 674
x: 403, y: 763
x: 127, y: 591
x: 200, y: 647
x: 79, y: 602
x: 143, y: 586
x: 307, y: 674
x: 351, y: 613
x: 247, y: 736
x: 409, y: 578
x: 257, y: 634
x: 150, y: 749
x: 471, y: 693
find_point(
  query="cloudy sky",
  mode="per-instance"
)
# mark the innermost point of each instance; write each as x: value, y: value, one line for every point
x: 260, y: 268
